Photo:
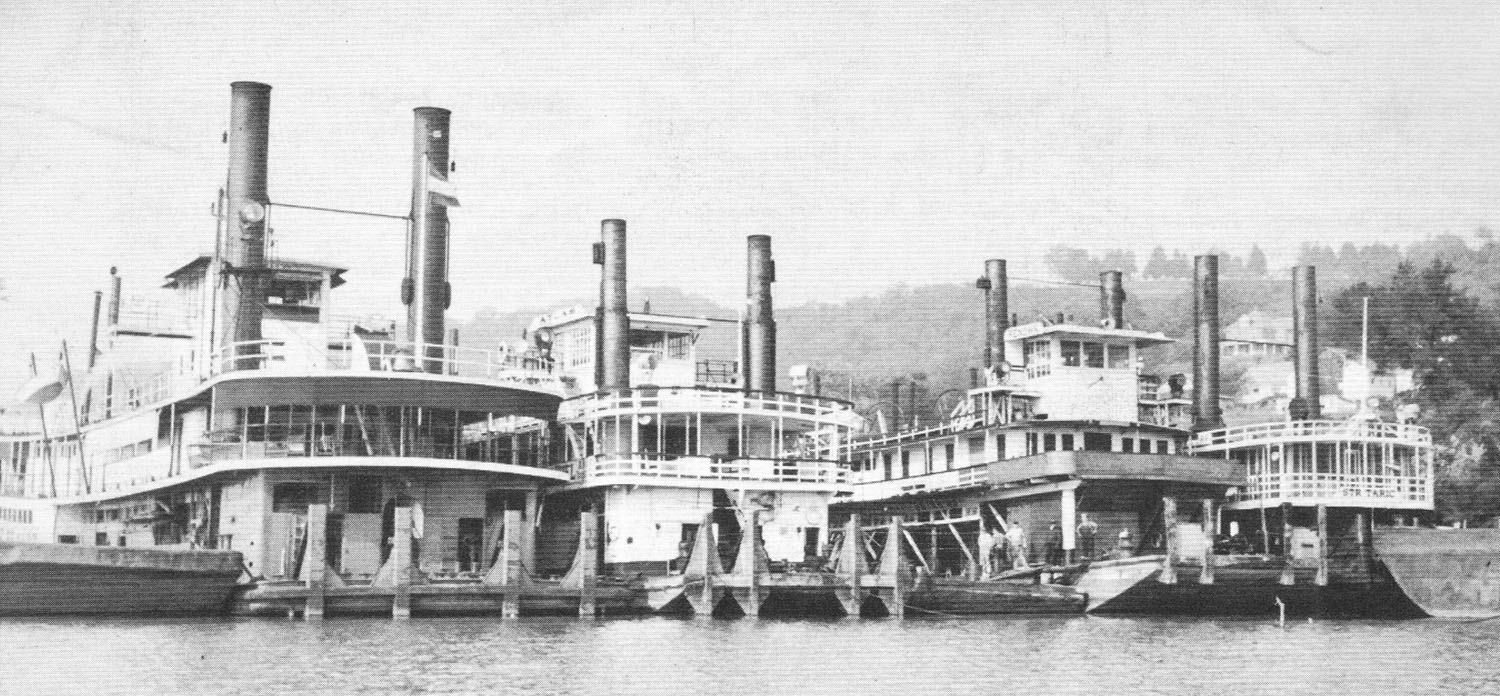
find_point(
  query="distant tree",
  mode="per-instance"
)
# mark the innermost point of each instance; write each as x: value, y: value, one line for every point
x: 1156, y: 266
x: 1256, y: 265
x: 1119, y: 260
x: 1071, y: 264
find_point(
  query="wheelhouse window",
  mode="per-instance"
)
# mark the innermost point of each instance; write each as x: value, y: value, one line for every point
x: 1072, y: 354
x: 1119, y: 357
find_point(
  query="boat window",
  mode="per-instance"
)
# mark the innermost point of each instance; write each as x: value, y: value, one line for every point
x: 948, y: 456
x: 1067, y: 442
x: 67, y: 539
x: 886, y: 459
x: 1038, y: 357
x: 1161, y: 446
x: 905, y: 463
x: 1098, y: 442
x: 1000, y: 446
x: 1031, y: 447
x: 976, y: 449
x: 295, y: 497
x: 1119, y: 357
x: 1072, y: 354
x: 364, y: 494
x: 1049, y: 442
x: 1093, y: 355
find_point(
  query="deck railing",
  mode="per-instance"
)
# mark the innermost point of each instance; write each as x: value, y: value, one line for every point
x: 1339, y: 489
x: 375, y: 439
x: 1307, y: 431
x: 872, y: 484
x: 357, y: 355
x: 687, y: 399
x: 607, y: 468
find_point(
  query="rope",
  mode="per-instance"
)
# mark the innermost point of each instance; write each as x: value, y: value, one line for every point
x: 341, y: 211
x: 1057, y: 282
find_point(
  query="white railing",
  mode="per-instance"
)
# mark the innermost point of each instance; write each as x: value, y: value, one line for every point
x: 357, y: 355
x: 695, y: 399
x: 1350, y: 489
x: 665, y: 467
x: 1285, y: 431
x: 871, y: 485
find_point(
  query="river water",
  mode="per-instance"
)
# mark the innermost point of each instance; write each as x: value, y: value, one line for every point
x: 1043, y: 655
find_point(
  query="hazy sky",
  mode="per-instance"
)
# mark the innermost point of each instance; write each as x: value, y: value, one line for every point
x: 877, y: 142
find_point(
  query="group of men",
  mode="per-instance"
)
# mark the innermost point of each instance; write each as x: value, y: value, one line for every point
x: 996, y: 547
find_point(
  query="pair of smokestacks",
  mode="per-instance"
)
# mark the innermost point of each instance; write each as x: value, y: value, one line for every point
x: 612, y: 318
x: 997, y: 306
x: 425, y: 291
x: 1305, y: 403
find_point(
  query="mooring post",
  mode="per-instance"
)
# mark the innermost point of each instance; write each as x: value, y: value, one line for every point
x: 401, y: 564
x: 1169, y: 530
x: 1288, y: 574
x: 589, y: 554
x: 749, y: 566
x: 529, y: 527
x: 1206, y: 576
x: 511, y: 568
x: 851, y: 568
x: 1321, y: 579
x: 315, y: 563
x: 893, y: 569
x: 1362, y: 541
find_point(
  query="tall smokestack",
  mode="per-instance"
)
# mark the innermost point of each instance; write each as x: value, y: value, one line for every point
x: 614, y: 322
x: 1206, y: 413
x: 996, y: 309
x: 760, y: 326
x: 244, y: 243
x: 425, y: 290
x: 1112, y: 299
x: 1307, y: 403
x: 94, y: 331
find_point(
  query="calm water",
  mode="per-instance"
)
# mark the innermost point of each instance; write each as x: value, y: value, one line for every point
x: 685, y: 656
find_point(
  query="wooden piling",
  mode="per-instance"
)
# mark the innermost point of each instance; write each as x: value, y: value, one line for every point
x: 1362, y: 541
x: 1321, y: 579
x: 750, y: 566
x: 893, y: 569
x: 510, y: 565
x: 315, y: 562
x: 401, y: 564
x: 1169, y: 525
x: 702, y: 567
x: 850, y: 568
x: 1068, y: 509
x: 588, y: 541
x: 1206, y: 575
x: 1288, y: 574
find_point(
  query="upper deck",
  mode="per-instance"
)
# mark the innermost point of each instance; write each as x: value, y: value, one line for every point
x: 1354, y: 463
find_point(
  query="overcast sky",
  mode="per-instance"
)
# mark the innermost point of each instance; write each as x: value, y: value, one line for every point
x: 878, y: 143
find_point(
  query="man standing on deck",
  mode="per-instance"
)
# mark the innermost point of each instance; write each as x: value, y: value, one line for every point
x: 1087, y: 529
x: 1015, y: 538
x: 986, y: 552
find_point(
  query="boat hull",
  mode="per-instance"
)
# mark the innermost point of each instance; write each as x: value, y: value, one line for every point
x: 58, y: 579
x: 981, y: 598
x: 1448, y: 573
x: 1241, y: 587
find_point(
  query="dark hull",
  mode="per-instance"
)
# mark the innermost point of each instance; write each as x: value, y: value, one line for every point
x: 48, y: 579
x: 976, y: 598
x: 1251, y: 588
x: 1449, y: 573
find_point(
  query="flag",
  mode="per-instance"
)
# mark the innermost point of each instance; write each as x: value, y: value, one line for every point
x: 440, y: 190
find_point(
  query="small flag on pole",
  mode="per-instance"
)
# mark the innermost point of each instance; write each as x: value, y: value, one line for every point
x: 439, y: 190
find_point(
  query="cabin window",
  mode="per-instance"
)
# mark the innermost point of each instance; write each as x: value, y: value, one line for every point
x: 1049, y: 442
x: 1161, y: 446
x: 1031, y: 447
x: 1098, y: 442
x: 294, y: 497
x: 1127, y: 444
x: 976, y: 449
x: 886, y: 459
x: 1072, y: 354
x: 948, y: 456
x: 67, y: 539
x: 101, y: 538
x: 1093, y: 355
x: 677, y: 346
x: 1000, y: 446
x: 1067, y: 442
x: 1119, y: 357
x: 364, y: 495
x: 905, y: 463
x: 1038, y: 357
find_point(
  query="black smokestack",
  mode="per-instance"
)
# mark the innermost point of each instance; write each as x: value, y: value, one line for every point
x: 760, y: 326
x: 244, y: 240
x: 614, y: 321
x: 1206, y: 414
x: 1305, y: 332
x: 894, y: 397
x: 1112, y: 299
x: 996, y: 309
x: 426, y: 291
